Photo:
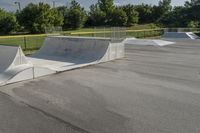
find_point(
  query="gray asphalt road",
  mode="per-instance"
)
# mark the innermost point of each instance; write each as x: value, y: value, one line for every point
x: 152, y: 90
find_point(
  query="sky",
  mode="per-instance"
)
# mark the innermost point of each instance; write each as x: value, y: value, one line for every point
x: 10, y: 6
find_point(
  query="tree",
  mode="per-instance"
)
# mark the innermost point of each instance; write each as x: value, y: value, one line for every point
x: 106, y: 5
x: 176, y: 18
x: 164, y: 6
x: 75, y: 19
x: 76, y: 16
x: 96, y: 16
x: 193, y: 9
x: 145, y: 13
x: 118, y: 17
x: 8, y: 22
x: 36, y: 17
x: 131, y: 13
x: 63, y: 10
x: 192, y: 3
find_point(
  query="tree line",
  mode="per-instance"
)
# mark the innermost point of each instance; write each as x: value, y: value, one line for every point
x: 34, y: 18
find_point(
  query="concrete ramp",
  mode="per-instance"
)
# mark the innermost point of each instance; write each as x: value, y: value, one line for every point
x: 146, y: 42
x: 58, y: 54
x: 13, y: 65
x: 63, y: 53
x: 180, y: 35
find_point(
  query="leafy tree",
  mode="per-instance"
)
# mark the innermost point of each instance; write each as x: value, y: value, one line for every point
x: 36, y: 17
x: 96, y: 16
x: 118, y: 17
x: 192, y: 3
x: 178, y: 17
x: 106, y: 5
x: 75, y: 19
x: 193, y: 9
x: 132, y: 14
x: 76, y: 16
x: 145, y: 13
x: 63, y: 10
x: 8, y: 22
x: 164, y: 6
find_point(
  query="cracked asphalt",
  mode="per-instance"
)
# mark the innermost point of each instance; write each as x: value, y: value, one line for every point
x: 151, y: 90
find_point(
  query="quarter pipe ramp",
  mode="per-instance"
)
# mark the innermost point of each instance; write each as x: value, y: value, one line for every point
x: 58, y: 54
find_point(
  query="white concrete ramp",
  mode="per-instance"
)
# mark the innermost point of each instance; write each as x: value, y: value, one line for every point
x: 147, y: 42
x: 64, y: 53
x: 180, y: 35
x: 58, y: 54
x: 13, y: 65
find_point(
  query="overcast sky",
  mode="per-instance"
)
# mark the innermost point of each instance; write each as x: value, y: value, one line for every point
x: 9, y: 4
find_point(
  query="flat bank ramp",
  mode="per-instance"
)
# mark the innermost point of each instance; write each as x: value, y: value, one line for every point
x: 13, y: 65
x: 180, y: 35
x: 63, y: 53
x: 147, y: 42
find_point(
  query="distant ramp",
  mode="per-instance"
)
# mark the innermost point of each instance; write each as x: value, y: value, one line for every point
x: 147, y: 42
x: 180, y: 35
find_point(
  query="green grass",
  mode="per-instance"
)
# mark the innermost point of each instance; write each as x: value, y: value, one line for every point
x: 27, y: 43
x: 144, y: 26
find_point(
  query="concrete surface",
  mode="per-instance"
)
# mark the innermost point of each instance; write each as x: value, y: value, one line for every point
x: 152, y: 90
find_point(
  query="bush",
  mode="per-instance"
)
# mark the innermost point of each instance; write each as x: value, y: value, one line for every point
x: 8, y: 22
x: 193, y: 24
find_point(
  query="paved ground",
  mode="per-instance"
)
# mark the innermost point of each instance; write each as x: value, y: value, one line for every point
x: 152, y: 90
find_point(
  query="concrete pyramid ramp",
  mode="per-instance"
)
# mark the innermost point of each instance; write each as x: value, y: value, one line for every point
x: 145, y: 42
x: 63, y: 53
x: 180, y: 35
x: 58, y: 54
x: 13, y: 65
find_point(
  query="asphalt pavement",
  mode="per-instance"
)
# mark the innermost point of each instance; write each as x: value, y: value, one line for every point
x: 151, y: 90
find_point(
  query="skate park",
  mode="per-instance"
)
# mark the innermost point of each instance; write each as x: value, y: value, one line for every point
x: 150, y: 79
x: 102, y: 66
x: 63, y: 53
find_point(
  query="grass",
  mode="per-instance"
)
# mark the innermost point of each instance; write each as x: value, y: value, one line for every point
x: 27, y: 43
